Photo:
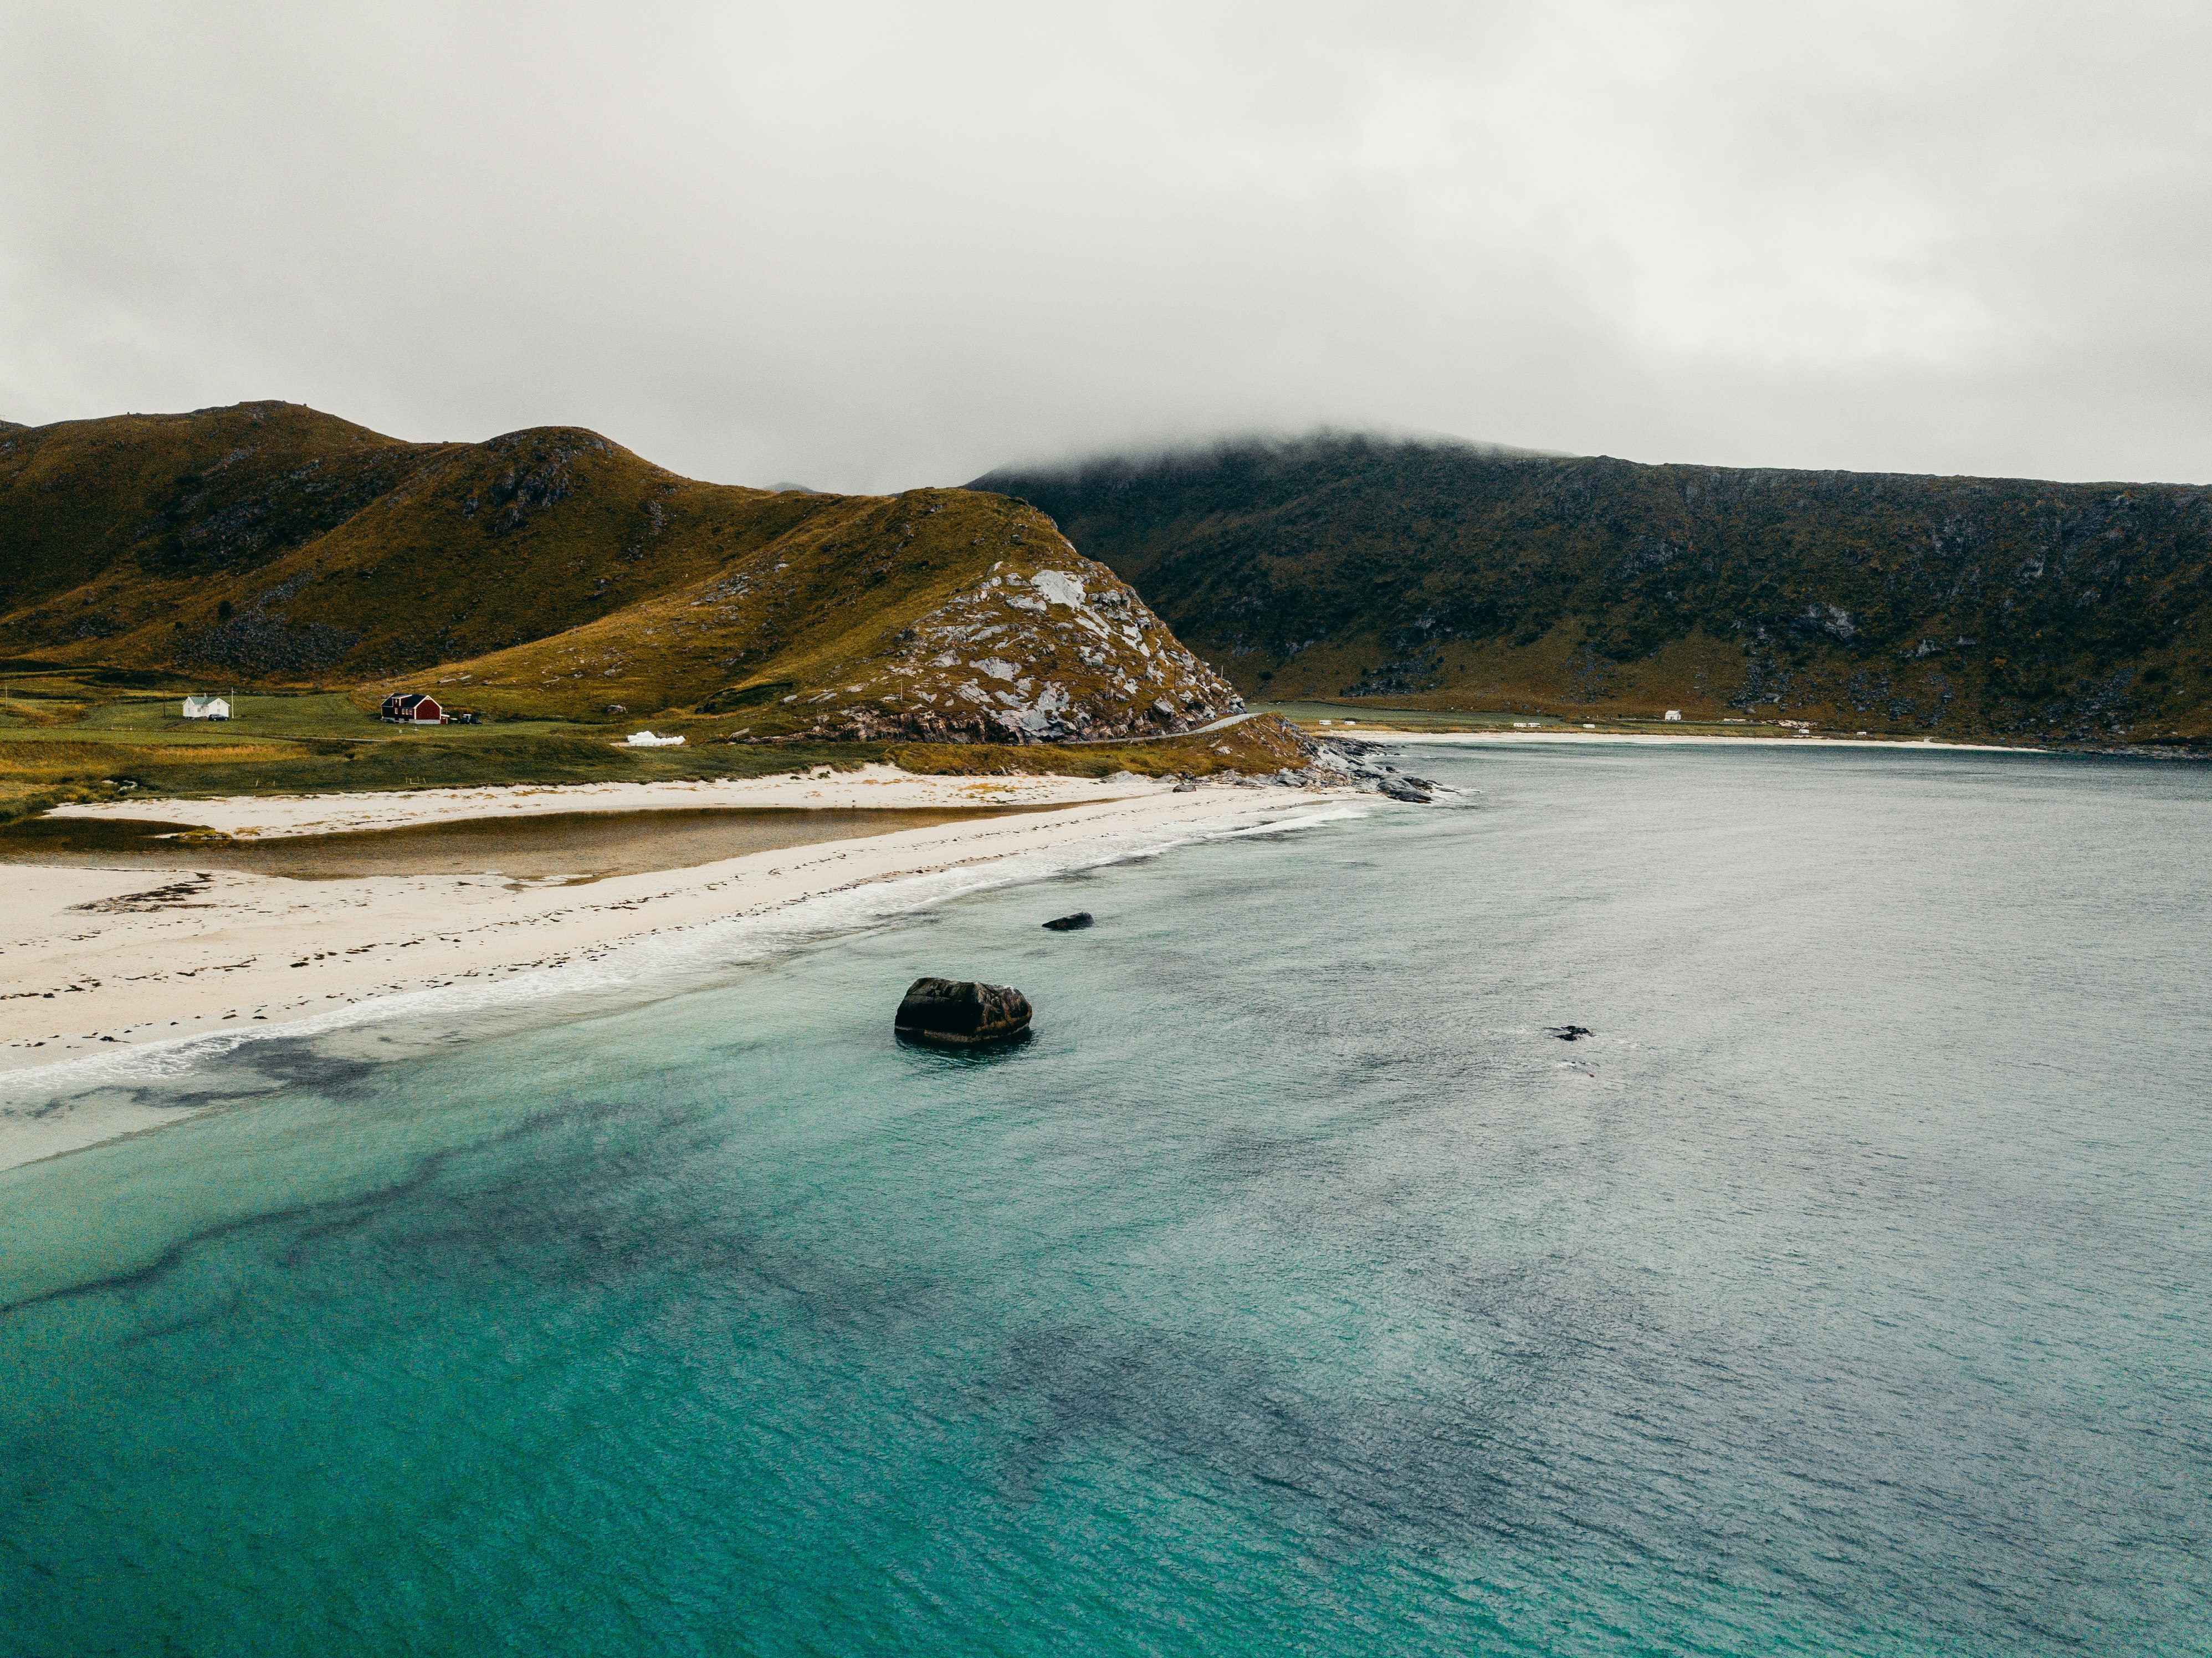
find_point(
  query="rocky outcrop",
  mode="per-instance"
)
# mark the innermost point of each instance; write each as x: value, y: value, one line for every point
x: 1064, y: 650
x: 1344, y: 763
x: 961, y: 1013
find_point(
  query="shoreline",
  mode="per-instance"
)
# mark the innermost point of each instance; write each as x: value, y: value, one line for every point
x: 104, y: 966
x: 1554, y: 734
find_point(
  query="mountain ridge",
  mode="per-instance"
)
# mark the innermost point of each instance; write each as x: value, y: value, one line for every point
x: 1343, y: 566
x: 280, y: 545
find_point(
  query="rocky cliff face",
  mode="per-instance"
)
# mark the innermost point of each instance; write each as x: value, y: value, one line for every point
x: 1031, y: 653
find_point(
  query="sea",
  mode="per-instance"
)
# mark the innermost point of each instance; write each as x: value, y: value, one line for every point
x: 1740, y: 1199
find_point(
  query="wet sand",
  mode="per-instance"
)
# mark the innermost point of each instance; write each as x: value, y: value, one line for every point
x: 571, y: 847
x: 873, y: 788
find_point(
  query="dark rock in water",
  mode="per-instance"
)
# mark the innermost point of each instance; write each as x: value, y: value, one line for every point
x: 961, y: 1013
x: 1398, y: 789
x: 1570, y: 1033
x: 1074, y: 923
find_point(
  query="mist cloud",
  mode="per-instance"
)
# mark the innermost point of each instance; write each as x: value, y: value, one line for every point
x: 869, y: 246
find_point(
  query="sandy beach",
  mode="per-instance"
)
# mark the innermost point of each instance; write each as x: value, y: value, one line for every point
x: 95, y: 962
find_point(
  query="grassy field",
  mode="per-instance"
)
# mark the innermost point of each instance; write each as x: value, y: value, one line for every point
x: 68, y: 739
x: 1314, y: 712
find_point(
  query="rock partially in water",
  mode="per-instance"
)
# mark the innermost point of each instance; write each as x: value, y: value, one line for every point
x: 961, y: 1013
x: 1569, y: 1033
x: 1399, y: 788
x: 1074, y: 923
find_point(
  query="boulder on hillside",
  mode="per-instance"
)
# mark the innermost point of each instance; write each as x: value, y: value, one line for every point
x: 961, y: 1013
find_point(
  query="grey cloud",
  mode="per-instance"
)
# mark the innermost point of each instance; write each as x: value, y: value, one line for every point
x: 867, y: 246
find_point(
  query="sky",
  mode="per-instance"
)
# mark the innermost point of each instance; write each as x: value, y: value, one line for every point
x: 865, y: 247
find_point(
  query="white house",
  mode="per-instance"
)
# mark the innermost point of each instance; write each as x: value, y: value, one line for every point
x: 206, y: 708
x: 1674, y: 713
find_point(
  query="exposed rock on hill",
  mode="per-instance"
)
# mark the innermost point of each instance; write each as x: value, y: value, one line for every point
x: 1062, y: 650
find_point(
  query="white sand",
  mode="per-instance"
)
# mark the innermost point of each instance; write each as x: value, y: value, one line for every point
x: 93, y: 962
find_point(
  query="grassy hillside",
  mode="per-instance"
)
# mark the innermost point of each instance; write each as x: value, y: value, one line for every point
x: 942, y: 615
x: 1442, y: 576
x: 552, y: 574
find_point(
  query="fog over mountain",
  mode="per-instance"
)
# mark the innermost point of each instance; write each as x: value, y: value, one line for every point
x: 869, y: 246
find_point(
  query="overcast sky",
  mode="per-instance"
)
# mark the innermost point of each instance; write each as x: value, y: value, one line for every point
x: 864, y: 247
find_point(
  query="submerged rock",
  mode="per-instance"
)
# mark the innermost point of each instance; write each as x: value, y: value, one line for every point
x: 1074, y: 923
x: 961, y: 1013
x: 1570, y: 1033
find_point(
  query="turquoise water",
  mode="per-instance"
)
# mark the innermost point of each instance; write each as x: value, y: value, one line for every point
x: 1292, y: 1292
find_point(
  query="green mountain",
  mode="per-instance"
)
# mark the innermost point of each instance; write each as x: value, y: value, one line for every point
x: 553, y: 572
x: 1432, y: 574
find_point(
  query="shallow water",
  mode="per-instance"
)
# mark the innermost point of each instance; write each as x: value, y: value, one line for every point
x: 1292, y: 1290
x: 580, y: 846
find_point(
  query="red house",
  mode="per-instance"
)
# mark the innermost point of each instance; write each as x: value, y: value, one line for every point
x: 414, y: 709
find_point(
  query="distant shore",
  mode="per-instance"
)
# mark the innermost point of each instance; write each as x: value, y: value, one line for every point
x: 1567, y: 734
x: 99, y: 963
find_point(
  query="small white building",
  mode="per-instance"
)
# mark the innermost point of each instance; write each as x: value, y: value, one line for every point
x: 206, y: 708
x: 1674, y: 713
x: 647, y: 740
